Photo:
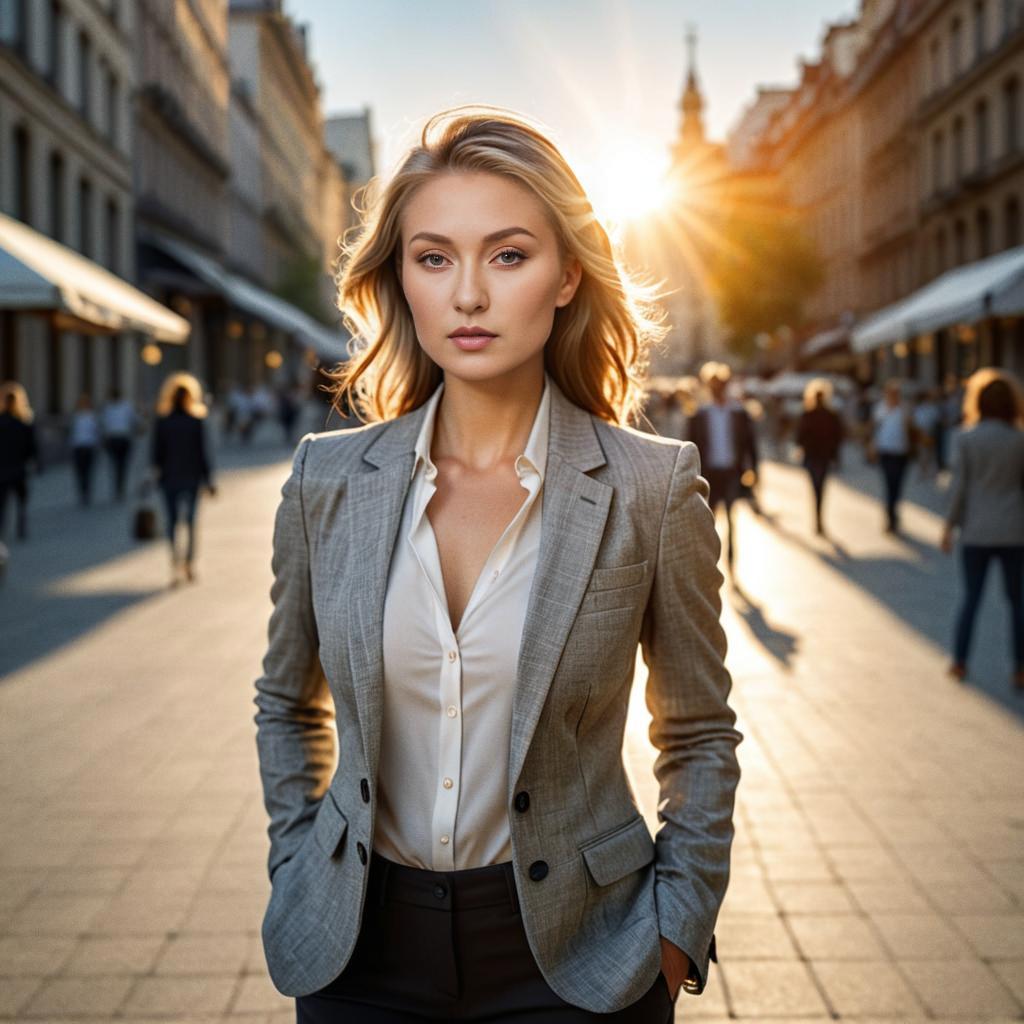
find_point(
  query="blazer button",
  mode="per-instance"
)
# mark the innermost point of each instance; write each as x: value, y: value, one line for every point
x: 364, y: 788
x: 522, y: 801
x: 538, y: 870
x: 361, y: 850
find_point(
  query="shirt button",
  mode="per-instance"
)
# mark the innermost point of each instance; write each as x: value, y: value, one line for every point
x: 447, y: 783
x: 452, y: 655
x: 452, y: 710
x: 444, y: 840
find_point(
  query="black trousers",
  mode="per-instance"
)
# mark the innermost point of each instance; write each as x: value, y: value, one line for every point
x: 894, y: 468
x: 975, y: 559
x: 450, y: 945
x: 724, y: 488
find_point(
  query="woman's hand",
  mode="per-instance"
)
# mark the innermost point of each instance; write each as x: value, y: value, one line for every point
x: 675, y: 965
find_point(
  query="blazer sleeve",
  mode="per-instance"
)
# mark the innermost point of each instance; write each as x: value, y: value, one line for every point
x: 296, y: 738
x: 692, y: 727
x: 958, y: 486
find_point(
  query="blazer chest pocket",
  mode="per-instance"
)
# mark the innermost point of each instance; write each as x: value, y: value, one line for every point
x: 627, y: 849
x: 330, y: 825
x: 614, y: 586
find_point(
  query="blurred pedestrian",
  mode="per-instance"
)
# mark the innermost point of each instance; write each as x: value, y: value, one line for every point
x: 18, y: 447
x: 287, y: 413
x: 951, y: 404
x: 180, y: 461
x: 119, y: 421
x: 892, y: 447
x: 724, y: 435
x: 987, y: 504
x: 819, y: 434
x: 927, y: 418
x: 85, y: 443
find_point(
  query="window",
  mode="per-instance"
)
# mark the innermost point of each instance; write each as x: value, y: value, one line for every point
x: 1011, y: 227
x: 940, y: 251
x: 958, y: 149
x: 85, y: 231
x: 14, y: 25
x: 113, y: 235
x: 85, y: 76
x: 959, y: 242
x: 981, y: 133
x: 979, y: 29
x: 1011, y: 114
x: 984, y: 224
x: 113, y: 103
x: 53, y: 30
x: 1010, y: 9
x: 58, y: 205
x: 955, y: 43
x: 22, y: 170
x: 936, y: 70
x: 938, y: 171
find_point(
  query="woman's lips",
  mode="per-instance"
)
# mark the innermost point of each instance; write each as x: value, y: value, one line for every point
x: 472, y: 342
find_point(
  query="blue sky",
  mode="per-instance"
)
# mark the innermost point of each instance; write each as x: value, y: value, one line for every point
x: 599, y: 73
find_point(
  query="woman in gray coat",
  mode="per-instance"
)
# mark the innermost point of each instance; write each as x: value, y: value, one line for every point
x: 987, y: 504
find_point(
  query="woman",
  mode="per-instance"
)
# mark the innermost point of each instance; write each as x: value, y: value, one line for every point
x: 819, y: 434
x: 987, y: 504
x: 85, y: 441
x: 180, y: 462
x: 476, y: 851
x: 18, y: 447
x: 893, y: 445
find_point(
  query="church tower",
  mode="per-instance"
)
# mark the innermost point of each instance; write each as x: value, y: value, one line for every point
x: 691, y: 105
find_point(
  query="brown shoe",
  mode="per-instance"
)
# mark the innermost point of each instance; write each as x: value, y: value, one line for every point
x: 958, y: 670
x: 190, y: 573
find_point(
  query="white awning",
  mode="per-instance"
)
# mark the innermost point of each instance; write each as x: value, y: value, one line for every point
x: 40, y: 275
x: 825, y: 340
x: 990, y: 287
x: 328, y: 344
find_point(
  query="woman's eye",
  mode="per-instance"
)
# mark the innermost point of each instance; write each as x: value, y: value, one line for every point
x: 512, y: 252
x: 430, y: 256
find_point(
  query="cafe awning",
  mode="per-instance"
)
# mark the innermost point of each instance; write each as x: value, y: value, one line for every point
x: 993, y: 286
x: 39, y: 275
x: 328, y: 344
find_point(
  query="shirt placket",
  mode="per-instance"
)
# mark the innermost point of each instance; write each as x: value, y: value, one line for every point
x: 449, y: 761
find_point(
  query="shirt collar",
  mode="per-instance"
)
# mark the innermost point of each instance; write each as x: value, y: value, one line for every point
x: 534, y: 456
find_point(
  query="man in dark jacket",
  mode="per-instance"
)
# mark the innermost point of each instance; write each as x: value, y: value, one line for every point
x: 723, y: 432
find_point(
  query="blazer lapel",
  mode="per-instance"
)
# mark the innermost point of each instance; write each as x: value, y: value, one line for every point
x: 574, y: 512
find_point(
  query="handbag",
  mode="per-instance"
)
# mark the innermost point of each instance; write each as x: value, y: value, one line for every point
x: 144, y: 520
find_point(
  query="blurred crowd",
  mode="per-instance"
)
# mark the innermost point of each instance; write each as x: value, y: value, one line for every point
x: 971, y: 434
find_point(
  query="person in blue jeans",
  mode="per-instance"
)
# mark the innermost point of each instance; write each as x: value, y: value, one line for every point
x: 181, y: 463
x: 987, y: 504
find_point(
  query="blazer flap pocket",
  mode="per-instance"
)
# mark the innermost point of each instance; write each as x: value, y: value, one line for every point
x: 627, y: 849
x: 611, y: 576
x: 329, y: 825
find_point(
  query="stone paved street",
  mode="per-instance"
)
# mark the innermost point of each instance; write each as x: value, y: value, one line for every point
x: 878, y: 869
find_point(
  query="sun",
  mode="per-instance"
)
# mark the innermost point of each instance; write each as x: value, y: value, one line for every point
x: 629, y: 181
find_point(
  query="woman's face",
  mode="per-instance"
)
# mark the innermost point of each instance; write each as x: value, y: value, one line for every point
x: 477, y: 251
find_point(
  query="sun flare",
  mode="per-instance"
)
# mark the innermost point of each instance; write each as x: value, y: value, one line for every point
x: 629, y: 181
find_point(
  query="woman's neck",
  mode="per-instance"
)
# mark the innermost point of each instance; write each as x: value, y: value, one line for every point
x: 483, y: 424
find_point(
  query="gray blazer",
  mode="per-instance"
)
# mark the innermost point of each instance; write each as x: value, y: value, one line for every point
x: 987, y: 493
x: 628, y: 554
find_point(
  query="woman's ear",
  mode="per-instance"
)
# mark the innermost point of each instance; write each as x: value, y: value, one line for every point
x: 570, y: 281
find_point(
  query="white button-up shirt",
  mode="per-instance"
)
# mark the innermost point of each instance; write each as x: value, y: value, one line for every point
x: 721, y: 447
x: 448, y: 694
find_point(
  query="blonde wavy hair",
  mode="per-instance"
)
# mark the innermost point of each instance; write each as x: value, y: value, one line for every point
x: 598, y: 350
x: 993, y: 393
x: 22, y: 407
x: 819, y: 386
x: 195, y: 403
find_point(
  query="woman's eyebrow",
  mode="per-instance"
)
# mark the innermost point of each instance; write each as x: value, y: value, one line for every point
x: 494, y: 236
